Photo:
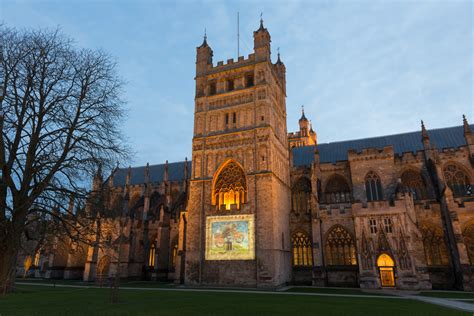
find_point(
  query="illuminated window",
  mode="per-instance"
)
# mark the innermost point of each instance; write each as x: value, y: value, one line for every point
x: 151, y: 256
x: 468, y: 236
x: 436, y: 252
x: 340, y: 247
x: 175, y: 253
x: 301, y: 196
x: 458, y: 181
x: 230, y: 187
x: 37, y: 258
x: 373, y: 187
x: 302, y: 250
x: 337, y: 190
x: 387, y: 223
x: 414, y: 181
x: 373, y: 226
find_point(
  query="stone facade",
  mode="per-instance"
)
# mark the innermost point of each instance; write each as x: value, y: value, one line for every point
x: 392, y: 211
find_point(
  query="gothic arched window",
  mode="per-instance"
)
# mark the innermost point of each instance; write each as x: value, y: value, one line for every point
x: 302, y: 250
x: 337, y: 190
x: 414, y: 181
x: 436, y: 252
x: 373, y: 187
x: 468, y: 236
x: 301, y: 196
x: 151, y: 256
x: 458, y: 181
x: 230, y: 187
x: 340, y: 247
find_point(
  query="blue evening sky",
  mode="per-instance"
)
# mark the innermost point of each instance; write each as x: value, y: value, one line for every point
x: 361, y: 68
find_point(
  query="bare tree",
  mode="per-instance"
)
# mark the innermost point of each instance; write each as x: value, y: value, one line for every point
x: 60, y: 108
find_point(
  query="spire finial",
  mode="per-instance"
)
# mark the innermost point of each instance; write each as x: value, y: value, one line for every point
x: 204, y: 42
x: 261, y: 22
x: 424, y: 133
x: 467, y: 128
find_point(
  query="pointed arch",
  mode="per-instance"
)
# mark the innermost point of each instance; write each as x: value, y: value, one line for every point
x: 229, y: 186
x: 339, y: 247
x: 414, y: 181
x: 337, y: 190
x: 458, y: 180
x: 468, y: 237
x: 301, y: 195
x: 373, y: 187
x: 434, y: 244
x: 302, y: 249
x: 103, y: 267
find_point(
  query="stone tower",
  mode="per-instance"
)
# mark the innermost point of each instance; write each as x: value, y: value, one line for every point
x: 239, y: 201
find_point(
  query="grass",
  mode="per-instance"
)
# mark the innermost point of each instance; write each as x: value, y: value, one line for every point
x: 40, y: 300
x: 447, y: 294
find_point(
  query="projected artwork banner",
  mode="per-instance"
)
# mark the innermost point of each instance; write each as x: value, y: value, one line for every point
x: 230, y: 237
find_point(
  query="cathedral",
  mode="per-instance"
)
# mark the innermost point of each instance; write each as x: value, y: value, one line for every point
x: 259, y: 207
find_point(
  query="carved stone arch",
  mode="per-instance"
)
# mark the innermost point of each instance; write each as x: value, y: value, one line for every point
x: 434, y: 245
x: 458, y: 179
x: 337, y: 189
x: 229, y: 186
x: 302, y: 250
x: 103, y: 267
x: 301, y: 195
x: 412, y: 179
x: 468, y: 238
x: 340, y: 246
x: 373, y: 186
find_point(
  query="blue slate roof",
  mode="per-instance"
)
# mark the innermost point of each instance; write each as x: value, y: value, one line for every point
x: 175, y: 173
x: 450, y: 137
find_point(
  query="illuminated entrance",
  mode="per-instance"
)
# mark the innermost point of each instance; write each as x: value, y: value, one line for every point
x: 385, y: 264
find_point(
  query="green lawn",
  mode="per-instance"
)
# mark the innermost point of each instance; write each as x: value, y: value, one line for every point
x: 40, y: 300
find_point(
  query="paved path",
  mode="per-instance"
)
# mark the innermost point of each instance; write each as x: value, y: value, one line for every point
x: 450, y: 303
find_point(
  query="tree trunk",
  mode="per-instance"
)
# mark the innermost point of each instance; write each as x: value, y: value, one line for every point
x: 9, y: 252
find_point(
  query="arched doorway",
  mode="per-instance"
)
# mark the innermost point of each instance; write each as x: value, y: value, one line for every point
x: 385, y: 264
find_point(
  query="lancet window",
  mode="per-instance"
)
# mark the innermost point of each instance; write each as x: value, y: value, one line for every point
x: 301, y: 196
x: 373, y: 187
x: 302, y: 250
x: 436, y: 252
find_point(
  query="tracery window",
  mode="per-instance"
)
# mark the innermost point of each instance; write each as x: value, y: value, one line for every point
x: 373, y: 187
x: 436, y: 252
x: 468, y: 236
x: 151, y: 256
x: 301, y: 196
x: 414, y: 181
x: 302, y: 250
x: 337, y: 190
x: 340, y: 247
x: 458, y: 181
x: 230, y: 187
